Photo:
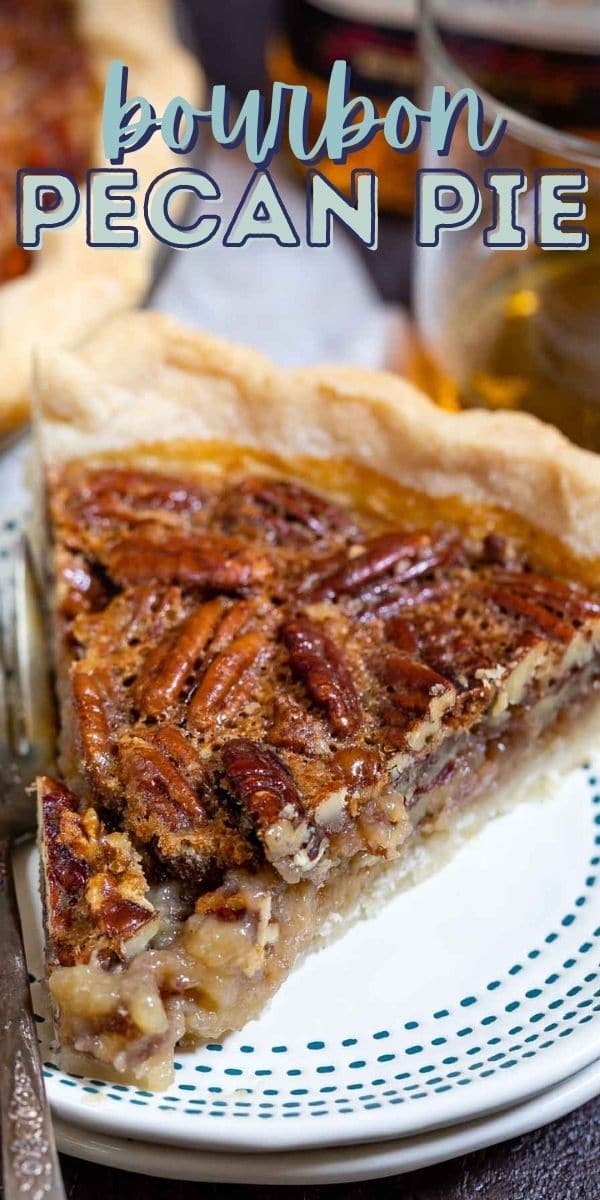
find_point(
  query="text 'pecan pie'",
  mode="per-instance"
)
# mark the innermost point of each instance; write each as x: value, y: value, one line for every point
x: 279, y: 669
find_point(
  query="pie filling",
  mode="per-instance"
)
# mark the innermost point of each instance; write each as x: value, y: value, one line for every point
x: 48, y: 103
x: 272, y: 678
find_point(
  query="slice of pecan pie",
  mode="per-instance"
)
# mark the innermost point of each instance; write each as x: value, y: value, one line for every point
x: 279, y: 673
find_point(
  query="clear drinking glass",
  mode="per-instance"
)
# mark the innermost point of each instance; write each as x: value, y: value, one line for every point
x: 515, y: 329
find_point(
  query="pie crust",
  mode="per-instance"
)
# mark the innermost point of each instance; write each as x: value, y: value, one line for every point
x: 144, y: 378
x: 69, y: 288
x: 306, y: 627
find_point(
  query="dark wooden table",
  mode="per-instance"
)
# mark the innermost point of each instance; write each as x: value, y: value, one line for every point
x: 560, y: 1162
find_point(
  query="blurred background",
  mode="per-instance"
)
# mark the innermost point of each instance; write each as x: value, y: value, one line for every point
x: 500, y: 329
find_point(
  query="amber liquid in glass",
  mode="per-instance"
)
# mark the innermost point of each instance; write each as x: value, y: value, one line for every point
x: 522, y: 329
x: 525, y: 337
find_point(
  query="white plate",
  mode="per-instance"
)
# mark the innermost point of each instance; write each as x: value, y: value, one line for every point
x: 472, y: 991
x: 371, y: 1161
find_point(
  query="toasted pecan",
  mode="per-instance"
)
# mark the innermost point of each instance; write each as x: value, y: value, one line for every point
x: 165, y: 812
x: 414, y: 686
x: 327, y: 677
x: 169, y: 665
x: 206, y: 561
x: 228, y: 680
x: 158, y: 794
x: 283, y: 511
x: 138, y: 614
x: 552, y: 593
x: 124, y: 494
x: 513, y: 600
x: 92, y: 701
x: 267, y: 793
x: 94, y: 887
x: 408, y: 554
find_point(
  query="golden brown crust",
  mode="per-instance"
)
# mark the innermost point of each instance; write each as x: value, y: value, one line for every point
x: 144, y: 378
x: 70, y: 288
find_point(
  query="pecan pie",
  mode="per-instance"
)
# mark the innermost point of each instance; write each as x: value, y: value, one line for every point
x: 279, y: 673
x: 54, y: 57
x: 48, y: 105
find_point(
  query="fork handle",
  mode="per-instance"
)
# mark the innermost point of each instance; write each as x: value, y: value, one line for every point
x: 29, y: 1160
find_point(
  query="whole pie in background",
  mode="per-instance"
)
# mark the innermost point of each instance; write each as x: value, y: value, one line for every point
x: 49, y: 104
x: 304, y: 623
x: 54, y: 56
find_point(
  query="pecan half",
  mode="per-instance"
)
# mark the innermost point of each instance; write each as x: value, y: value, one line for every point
x: 66, y: 864
x: 284, y: 511
x: 205, y: 561
x: 124, y: 494
x: 296, y: 729
x: 516, y: 600
x: 415, y: 686
x: 228, y: 680
x: 173, y: 742
x: 388, y: 601
x: 407, y: 554
x: 139, y: 614
x: 268, y: 795
x: 165, y: 813
x: 169, y: 666
x: 158, y: 795
x: 320, y: 665
x: 417, y: 699
x: 92, y: 704
x: 555, y: 594
x: 93, y: 884
x: 233, y: 622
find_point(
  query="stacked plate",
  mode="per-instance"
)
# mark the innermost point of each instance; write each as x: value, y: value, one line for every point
x: 466, y: 1012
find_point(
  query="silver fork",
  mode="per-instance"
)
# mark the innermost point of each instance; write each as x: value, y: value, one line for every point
x: 30, y: 1163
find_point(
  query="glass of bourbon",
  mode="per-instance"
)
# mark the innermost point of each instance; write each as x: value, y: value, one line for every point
x: 516, y: 328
